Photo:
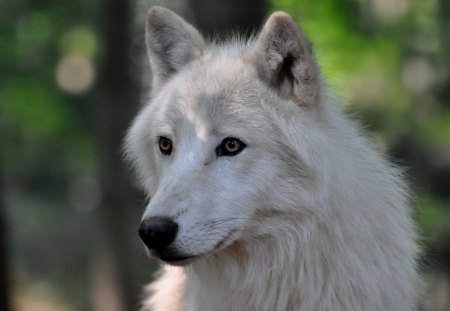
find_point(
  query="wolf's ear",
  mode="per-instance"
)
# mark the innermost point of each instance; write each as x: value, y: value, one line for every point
x: 171, y: 43
x: 284, y: 60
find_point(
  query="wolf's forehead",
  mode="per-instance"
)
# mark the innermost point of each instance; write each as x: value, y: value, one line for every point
x: 211, y: 100
x: 206, y: 112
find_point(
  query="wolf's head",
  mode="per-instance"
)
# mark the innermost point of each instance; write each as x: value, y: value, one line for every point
x: 225, y: 143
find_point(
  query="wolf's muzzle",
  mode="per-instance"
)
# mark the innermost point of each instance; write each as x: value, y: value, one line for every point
x: 158, y: 232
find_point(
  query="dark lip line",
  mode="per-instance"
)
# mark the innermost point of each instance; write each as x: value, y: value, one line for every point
x: 184, y: 259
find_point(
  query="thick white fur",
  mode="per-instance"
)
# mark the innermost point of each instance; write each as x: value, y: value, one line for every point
x: 309, y: 215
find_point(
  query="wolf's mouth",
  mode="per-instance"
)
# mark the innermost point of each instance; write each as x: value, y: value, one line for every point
x: 172, y: 258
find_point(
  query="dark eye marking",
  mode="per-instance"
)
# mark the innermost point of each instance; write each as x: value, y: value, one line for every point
x: 230, y: 146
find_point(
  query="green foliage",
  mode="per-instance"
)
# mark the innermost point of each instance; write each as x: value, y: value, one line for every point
x: 47, y: 140
x: 431, y: 217
x: 41, y: 121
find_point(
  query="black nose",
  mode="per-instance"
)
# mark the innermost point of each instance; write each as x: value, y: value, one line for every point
x: 158, y: 232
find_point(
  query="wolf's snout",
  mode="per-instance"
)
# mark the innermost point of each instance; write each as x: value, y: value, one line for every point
x: 158, y: 232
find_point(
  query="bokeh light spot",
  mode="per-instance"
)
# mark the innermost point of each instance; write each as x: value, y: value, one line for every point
x: 418, y: 75
x: 390, y: 10
x: 75, y: 74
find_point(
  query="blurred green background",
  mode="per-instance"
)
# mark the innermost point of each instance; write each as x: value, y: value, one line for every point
x: 74, y: 73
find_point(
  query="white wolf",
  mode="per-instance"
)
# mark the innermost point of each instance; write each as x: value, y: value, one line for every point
x: 264, y: 196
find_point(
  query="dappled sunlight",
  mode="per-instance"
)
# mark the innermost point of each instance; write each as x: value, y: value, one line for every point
x: 75, y: 74
x: 28, y: 304
x: 418, y: 75
x: 39, y: 297
x: 390, y: 10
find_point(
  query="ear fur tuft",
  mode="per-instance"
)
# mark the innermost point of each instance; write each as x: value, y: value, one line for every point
x: 284, y: 60
x: 171, y: 43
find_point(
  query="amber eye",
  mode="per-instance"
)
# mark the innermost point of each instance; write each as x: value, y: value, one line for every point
x: 230, y: 147
x: 165, y: 145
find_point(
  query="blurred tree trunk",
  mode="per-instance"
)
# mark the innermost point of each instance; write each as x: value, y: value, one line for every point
x: 214, y: 17
x: 117, y: 102
x: 444, y: 21
x: 4, y: 271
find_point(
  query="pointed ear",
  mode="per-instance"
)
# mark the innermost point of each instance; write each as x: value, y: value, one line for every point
x: 171, y: 43
x: 284, y: 60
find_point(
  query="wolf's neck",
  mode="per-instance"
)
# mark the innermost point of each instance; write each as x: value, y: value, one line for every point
x: 269, y: 279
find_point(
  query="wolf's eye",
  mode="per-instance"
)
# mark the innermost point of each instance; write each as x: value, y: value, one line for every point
x: 230, y: 147
x: 165, y: 145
